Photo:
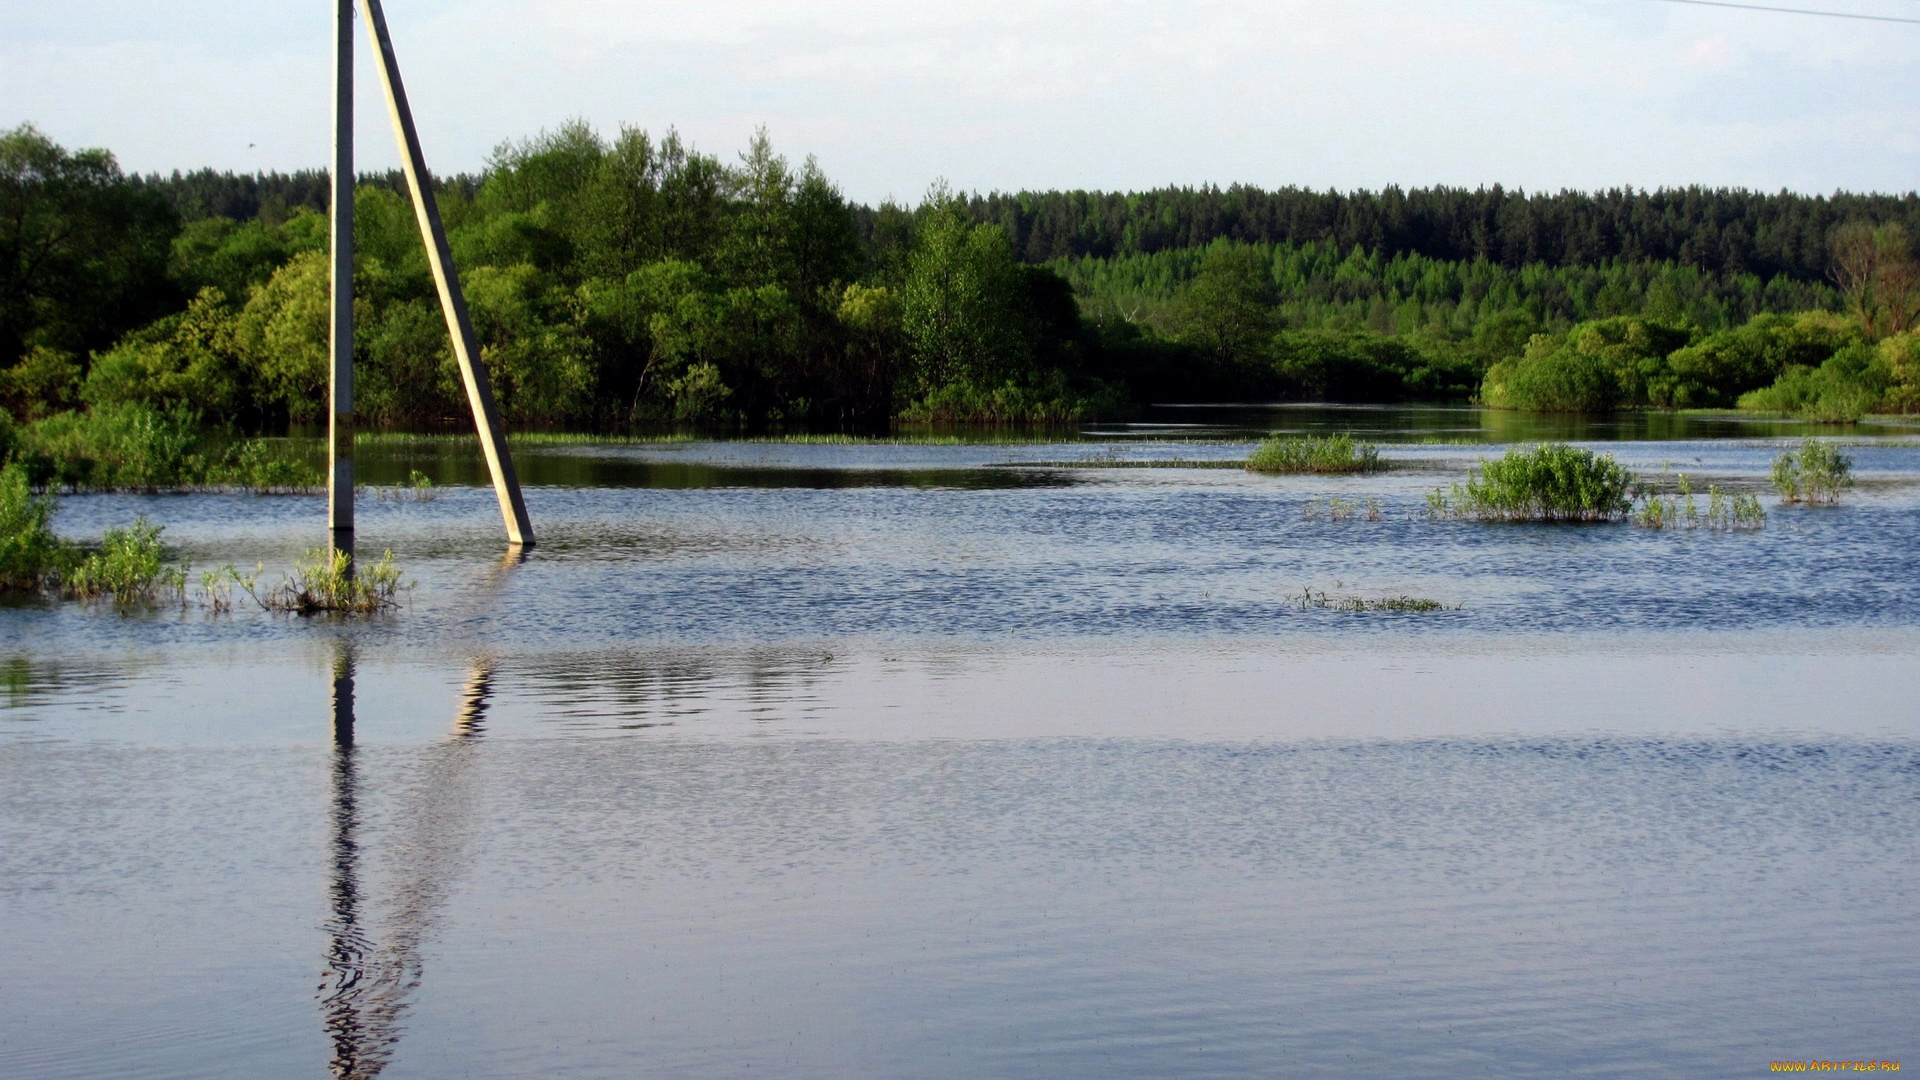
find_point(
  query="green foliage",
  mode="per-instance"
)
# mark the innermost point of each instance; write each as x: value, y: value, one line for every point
x: 986, y: 339
x: 1315, y: 454
x: 83, y: 254
x: 45, y: 380
x: 1598, y: 365
x: 30, y: 553
x: 1723, y: 366
x: 129, y: 566
x: 131, y: 446
x: 625, y: 279
x: 1815, y: 473
x: 1550, y: 482
x: 959, y: 308
x: 1229, y: 308
x: 182, y: 362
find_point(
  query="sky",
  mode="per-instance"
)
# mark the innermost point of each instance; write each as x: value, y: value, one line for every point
x: 891, y: 95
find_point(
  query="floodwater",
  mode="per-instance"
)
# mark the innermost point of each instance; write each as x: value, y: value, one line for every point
x: 1003, y: 758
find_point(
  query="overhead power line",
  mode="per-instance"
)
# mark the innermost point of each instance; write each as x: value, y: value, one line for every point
x: 1794, y: 11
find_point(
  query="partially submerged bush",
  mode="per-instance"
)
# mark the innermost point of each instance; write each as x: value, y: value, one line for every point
x: 130, y: 566
x: 30, y: 553
x: 1815, y: 473
x: 1313, y: 454
x: 1551, y: 482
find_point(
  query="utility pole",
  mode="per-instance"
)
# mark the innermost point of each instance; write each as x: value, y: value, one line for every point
x: 340, y: 347
x: 453, y: 303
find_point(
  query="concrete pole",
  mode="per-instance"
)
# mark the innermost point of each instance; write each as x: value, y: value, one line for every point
x: 340, y: 348
x: 453, y: 303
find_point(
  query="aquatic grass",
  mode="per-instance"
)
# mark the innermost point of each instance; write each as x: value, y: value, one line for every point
x: 129, y: 566
x: 1338, y: 509
x: 217, y: 585
x: 331, y: 582
x: 1815, y: 473
x: 1549, y: 482
x: 1725, y: 511
x: 1315, y: 454
x: 1309, y: 599
x: 417, y: 488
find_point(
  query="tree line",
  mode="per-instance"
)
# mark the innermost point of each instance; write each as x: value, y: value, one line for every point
x: 633, y: 279
x: 1716, y: 230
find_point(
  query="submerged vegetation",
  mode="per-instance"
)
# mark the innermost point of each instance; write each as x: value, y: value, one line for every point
x: 1681, y: 509
x: 1310, y: 599
x: 1554, y: 482
x: 1315, y: 454
x: 1338, y: 509
x: 1815, y: 473
x: 129, y: 566
x: 331, y: 582
x: 1550, y: 482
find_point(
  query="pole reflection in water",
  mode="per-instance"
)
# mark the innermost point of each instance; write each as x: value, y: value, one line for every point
x: 368, y: 984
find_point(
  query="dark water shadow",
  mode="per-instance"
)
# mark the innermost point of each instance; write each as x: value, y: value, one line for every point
x: 590, y: 467
x: 1470, y: 424
x: 369, y: 982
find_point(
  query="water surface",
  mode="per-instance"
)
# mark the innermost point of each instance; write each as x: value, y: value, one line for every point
x: 829, y: 760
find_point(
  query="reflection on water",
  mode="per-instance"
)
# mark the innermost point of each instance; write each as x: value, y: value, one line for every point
x: 368, y: 984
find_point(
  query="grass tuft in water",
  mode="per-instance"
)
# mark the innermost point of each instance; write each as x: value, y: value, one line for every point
x: 1816, y: 473
x: 418, y: 488
x: 1338, y: 509
x: 1315, y: 454
x: 1318, y: 599
x: 330, y: 582
x: 1550, y: 482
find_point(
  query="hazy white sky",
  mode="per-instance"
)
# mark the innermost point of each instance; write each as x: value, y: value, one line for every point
x: 1010, y: 94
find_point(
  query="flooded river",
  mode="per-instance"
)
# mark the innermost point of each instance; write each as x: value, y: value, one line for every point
x: 981, y: 759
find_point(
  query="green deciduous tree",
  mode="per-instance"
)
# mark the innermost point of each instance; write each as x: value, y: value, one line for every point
x: 83, y: 253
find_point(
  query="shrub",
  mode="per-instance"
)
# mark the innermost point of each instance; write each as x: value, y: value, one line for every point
x: 127, y: 445
x: 1551, y: 482
x: 29, y: 550
x: 140, y: 447
x: 1849, y: 384
x: 1599, y: 365
x: 1815, y: 473
x: 1312, y: 454
x: 130, y: 566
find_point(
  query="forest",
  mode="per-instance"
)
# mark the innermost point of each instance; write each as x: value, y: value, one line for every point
x: 624, y: 281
